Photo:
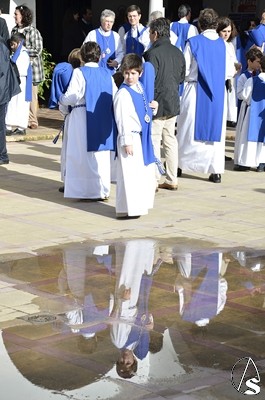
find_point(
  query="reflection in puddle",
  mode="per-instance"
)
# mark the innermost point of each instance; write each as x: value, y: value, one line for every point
x: 82, y: 320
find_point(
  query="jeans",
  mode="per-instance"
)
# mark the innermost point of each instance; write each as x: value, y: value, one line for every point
x: 3, y: 151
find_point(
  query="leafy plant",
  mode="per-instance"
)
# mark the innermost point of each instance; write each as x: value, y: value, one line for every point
x: 48, y: 66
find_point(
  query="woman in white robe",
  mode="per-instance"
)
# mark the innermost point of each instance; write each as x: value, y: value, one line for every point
x: 87, y: 172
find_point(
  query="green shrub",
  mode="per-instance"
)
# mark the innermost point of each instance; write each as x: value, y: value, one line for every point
x: 48, y: 66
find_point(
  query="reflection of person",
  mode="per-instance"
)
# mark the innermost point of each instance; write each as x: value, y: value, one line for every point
x: 108, y: 40
x: 17, y: 114
x: 135, y: 161
x: 34, y: 46
x: 9, y: 87
x: 90, y: 137
x: 201, y: 286
x: 202, y: 140
x: 131, y: 320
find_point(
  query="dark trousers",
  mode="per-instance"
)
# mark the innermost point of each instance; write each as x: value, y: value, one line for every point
x: 3, y: 151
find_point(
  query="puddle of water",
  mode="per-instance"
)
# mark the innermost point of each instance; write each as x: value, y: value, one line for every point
x: 82, y: 320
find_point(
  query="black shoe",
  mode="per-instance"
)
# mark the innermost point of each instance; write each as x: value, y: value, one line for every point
x: 179, y: 172
x: 4, y: 161
x: 231, y: 124
x: 8, y: 132
x: 261, y: 167
x: 19, y: 132
x: 216, y: 178
x: 228, y: 158
x: 61, y: 189
x: 241, y: 168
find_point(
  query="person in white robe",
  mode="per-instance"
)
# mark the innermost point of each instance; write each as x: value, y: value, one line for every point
x: 250, y: 146
x: 130, y: 39
x: 226, y: 30
x: 135, y: 159
x: 201, y: 140
x: 17, y: 114
x: 241, y: 148
x: 90, y: 136
x: 108, y: 40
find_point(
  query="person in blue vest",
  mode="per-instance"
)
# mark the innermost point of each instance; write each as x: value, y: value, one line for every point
x: 108, y: 40
x: 135, y: 155
x: 91, y: 128
x: 17, y: 114
x: 182, y: 28
x: 131, y: 42
x: 252, y: 128
x: 202, y: 121
x: 257, y: 35
x: 253, y: 57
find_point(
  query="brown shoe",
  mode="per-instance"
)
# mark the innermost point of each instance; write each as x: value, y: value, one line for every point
x: 167, y: 186
x: 33, y: 126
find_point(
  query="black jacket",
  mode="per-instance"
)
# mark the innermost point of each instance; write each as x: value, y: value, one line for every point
x: 169, y: 64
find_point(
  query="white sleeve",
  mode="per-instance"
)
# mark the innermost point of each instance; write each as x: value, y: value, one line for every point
x: 76, y: 89
x: 247, y: 91
x: 91, y: 36
x: 240, y: 86
x: 188, y: 58
x: 193, y: 31
x: 23, y: 63
x: 126, y: 118
x: 119, y: 48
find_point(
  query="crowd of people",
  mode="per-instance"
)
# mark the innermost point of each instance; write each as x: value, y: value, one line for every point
x: 140, y: 92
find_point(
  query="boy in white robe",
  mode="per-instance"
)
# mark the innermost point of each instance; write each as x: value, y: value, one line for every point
x: 17, y: 114
x: 136, y: 182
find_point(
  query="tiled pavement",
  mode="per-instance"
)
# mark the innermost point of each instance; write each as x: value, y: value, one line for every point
x: 35, y: 216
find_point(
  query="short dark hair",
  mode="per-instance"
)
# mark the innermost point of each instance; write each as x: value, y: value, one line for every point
x: 133, y: 8
x: 127, y: 372
x: 184, y: 10
x: 262, y: 63
x: 17, y: 37
x: 161, y: 26
x: 131, y: 61
x: 208, y: 19
x: 253, y: 53
x: 26, y: 14
x: 90, y: 52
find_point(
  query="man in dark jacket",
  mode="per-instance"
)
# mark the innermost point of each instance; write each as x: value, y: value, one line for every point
x: 4, y: 29
x: 9, y: 87
x: 169, y: 64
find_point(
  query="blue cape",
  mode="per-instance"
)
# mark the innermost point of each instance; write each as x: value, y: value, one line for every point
x: 133, y: 45
x: 147, y: 145
x: 105, y: 43
x: 101, y: 127
x: 257, y: 35
x: 256, y: 130
x: 148, y: 80
x: 181, y: 30
x: 61, y: 77
x: 210, y: 56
